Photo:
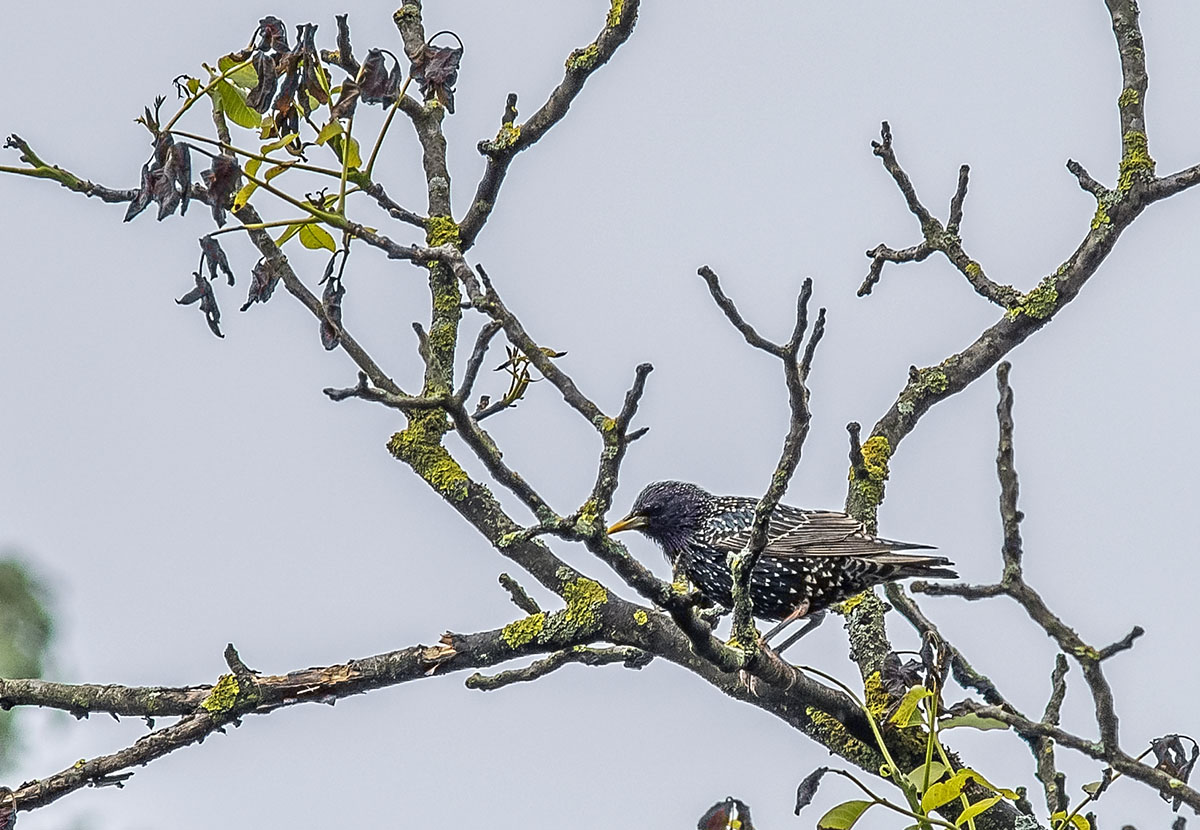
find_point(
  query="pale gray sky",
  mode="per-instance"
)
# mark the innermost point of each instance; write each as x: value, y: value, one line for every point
x: 181, y: 492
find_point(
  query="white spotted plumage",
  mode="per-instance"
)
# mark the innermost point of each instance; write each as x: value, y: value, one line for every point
x: 817, y: 557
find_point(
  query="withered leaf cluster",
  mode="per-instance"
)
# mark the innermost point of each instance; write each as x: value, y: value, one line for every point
x: 303, y: 81
x: 222, y: 179
x: 203, y: 294
x: 1173, y: 759
x: 897, y: 676
x: 435, y: 69
x: 377, y: 85
x: 166, y: 178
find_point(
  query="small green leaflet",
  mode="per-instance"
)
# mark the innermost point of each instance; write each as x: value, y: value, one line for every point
x: 843, y: 816
x: 233, y: 102
x: 243, y: 195
x: 906, y: 713
x: 245, y: 77
x: 279, y: 143
x: 975, y: 809
x: 946, y: 791
x: 331, y: 129
x: 288, y: 233
x: 917, y: 777
x: 315, y: 237
x: 972, y: 720
x: 1078, y: 822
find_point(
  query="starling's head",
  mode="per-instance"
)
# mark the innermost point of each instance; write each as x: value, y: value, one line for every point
x: 669, y: 512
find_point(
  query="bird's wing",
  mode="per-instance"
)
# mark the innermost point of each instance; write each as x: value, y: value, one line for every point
x: 796, y: 532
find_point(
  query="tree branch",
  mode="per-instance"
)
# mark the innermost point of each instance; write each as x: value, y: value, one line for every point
x: 513, y: 138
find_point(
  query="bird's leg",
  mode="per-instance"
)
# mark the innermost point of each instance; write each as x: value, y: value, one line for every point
x: 812, y: 622
x: 797, y: 612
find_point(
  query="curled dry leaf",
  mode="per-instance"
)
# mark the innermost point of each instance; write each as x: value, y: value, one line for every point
x: 214, y: 255
x: 266, y: 275
x: 222, y: 179
x: 435, y: 69
x: 896, y: 676
x: 260, y: 98
x: 203, y: 294
x: 274, y: 35
x: 331, y: 304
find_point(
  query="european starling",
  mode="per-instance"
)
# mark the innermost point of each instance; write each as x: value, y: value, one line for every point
x: 812, y: 559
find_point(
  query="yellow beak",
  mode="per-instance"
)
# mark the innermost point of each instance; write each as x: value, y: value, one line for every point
x: 631, y: 522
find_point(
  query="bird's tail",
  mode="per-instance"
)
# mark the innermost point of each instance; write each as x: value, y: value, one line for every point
x: 927, y: 567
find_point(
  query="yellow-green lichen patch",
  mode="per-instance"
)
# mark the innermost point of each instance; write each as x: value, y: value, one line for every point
x: 409, y: 11
x: 583, y: 597
x: 1101, y: 218
x: 1136, y: 164
x: 589, y: 513
x: 866, y: 484
x: 1039, y: 303
x: 420, y: 446
x: 933, y: 380
x: 614, y: 14
x: 641, y: 617
x: 973, y: 269
x: 442, y: 230
x: 523, y: 631
x: 507, y: 136
x: 847, y: 605
x: 223, y: 695
x: 1128, y: 97
x: 582, y: 59
x: 833, y: 734
x: 875, y: 452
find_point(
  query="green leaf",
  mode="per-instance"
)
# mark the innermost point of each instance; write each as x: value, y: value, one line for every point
x: 322, y: 77
x: 279, y: 143
x: 243, y: 195
x: 917, y: 777
x: 1077, y: 821
x: 354, y: 160
x: 252, y: 166
x: 843, y: 816
x: 972, y: 774
x: 333, y: 128
x: 245, y: 77
x: 276, y: 170
x: 904, y: 713
x: 316, y: 237
x: 233, y: 102
x: 972, y: 720
x: 291, y: 231
x: 944, y: 792
x: 975, y: 809
x: 193, y: 85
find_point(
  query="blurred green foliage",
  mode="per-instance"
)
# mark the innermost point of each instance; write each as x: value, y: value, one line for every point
x: 26, y: 628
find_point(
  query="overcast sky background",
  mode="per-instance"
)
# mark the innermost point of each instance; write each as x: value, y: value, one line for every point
x: 179, y: 492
